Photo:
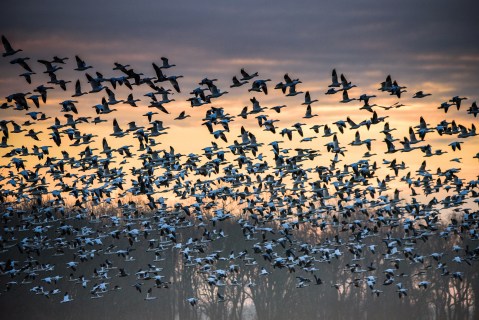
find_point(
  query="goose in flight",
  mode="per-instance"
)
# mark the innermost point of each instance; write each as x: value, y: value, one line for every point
x: 288, y: 133
x: 81, y: 64
x: 149, y: 115
x: 290, y: 82
x: 259, y: 86
x: 166, y: 64
x: 215, y: 93
x: 307, y: 99
x: 199, y: 93
x: 69, y: 105
x: 174, y: 82
x: 316, y: 127
x: 357, y: 141
x: 397, y: 90
x: 62, y: 83
x: 95, y: 84
x: 27, y: 76
x: 20, y: 100
x: 334, y: 80
x: 386, y: 85
x: 299, y: 128
x: 182, y: 116
x: 66, y: 298
x: 280, y: 86
x: 22, y: 62
x: 149, y: 295
x: 445, y: 106
x: 34, y: 115
x: 345, y: 84
x: 390, y: 146
x: 221, y: 297
x: 257, y: 108
x: 327, y: 132
x: 400, y: 290
x: 106, y: 148
x: 365, y: 98
x: 346, y: 98
x: 292, y: 91
x: 244, y: 113
x: 121, y: 67
x: 9, y: 51
x: 133, y: 127
x: 264, y: 272
x: 117, y: 132
x: 131, y: 101
x: 78, y: 91
x: 57, y: 59
x: 422, y: 128
x: 407, y: 145
x: 103, y: 108
x: 34, y: 135
x: 333, y: 91
x: 208, y: 82
x: 42, y: 90
x: 457, y: 101
x: 307, y: 139
x: 158, y: 124
x: 237, y: 83
x: 4, y: 128
x: 424, y: 284
x: 192, y: 301
x: 4, y: 143
x: 420, y: 95
x: 246, y: 76
x: 474, y: 110
x: 308, y: 114
x: 50, y: 68
x: 160, y: 77
x: 455, y: 145
x: 278, y: 108
x: 394, y: 105
x: 111, y: 97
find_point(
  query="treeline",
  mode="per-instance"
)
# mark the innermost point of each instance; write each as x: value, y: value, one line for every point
x: 335, y: 288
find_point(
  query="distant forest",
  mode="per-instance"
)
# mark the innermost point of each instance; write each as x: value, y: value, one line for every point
x: 313, y: 272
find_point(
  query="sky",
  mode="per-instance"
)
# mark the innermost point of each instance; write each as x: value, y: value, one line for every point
x: 414, y: 41
x: 427, y: 45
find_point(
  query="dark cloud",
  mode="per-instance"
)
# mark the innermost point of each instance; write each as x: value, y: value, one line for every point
x: 309, y: 38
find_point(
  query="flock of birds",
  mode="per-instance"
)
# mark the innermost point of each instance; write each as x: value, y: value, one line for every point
x: 274, y: 199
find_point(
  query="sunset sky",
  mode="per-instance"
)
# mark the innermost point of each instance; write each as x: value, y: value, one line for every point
x: 201, y: 220
x: 428, y: 46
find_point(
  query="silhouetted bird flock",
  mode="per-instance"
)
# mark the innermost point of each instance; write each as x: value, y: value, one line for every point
x: 275, y: 198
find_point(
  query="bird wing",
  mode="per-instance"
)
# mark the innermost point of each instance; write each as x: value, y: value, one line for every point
x: 287, y: 78
x: 79, y: 61
x: 159, y: 73
x: 175, y: 84
x: 334, y: 76
x: 116, y: 127
x: 6, y: 44
x: 165, y: 61
x: 307, y: 97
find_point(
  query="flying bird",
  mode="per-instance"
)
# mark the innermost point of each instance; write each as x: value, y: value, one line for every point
x: 9, y: 51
